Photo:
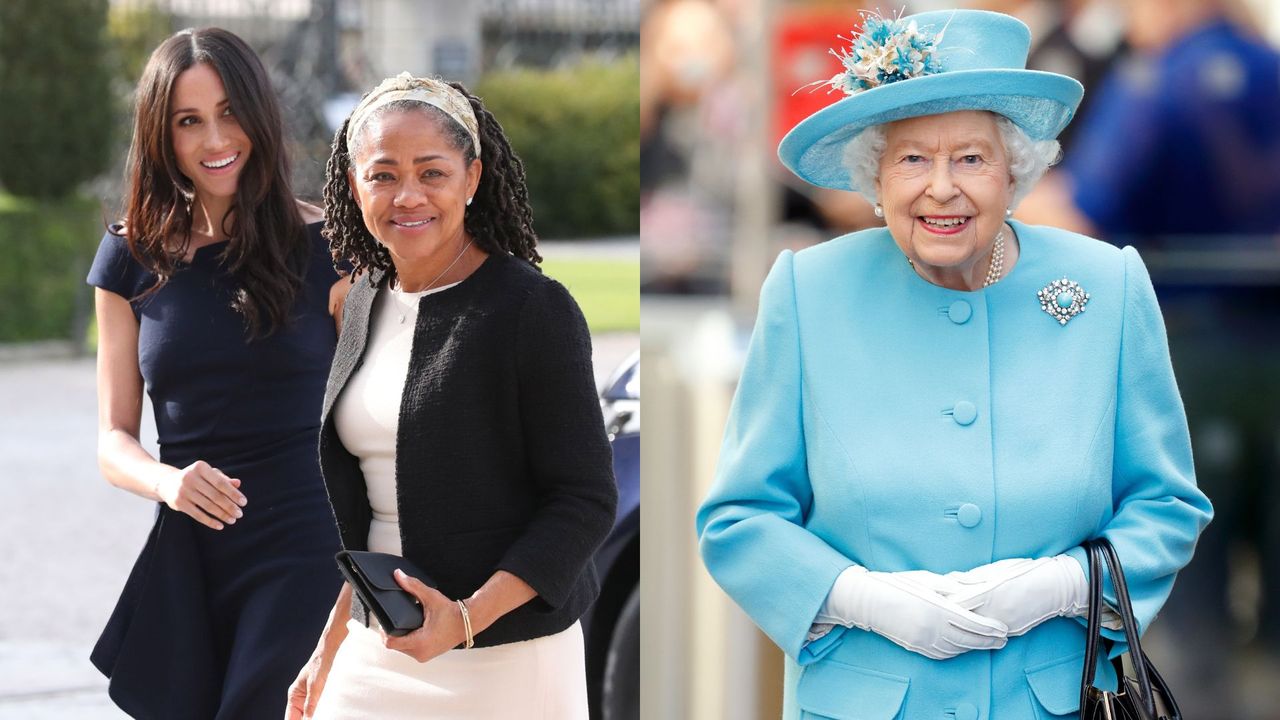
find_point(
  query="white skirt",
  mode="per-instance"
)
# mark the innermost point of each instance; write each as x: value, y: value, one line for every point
x: 543, y: 678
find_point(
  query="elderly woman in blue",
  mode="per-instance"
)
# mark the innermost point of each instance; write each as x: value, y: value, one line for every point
x: 934, y: 415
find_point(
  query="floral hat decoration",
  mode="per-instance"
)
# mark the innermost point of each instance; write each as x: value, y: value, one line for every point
x: 928, y: 64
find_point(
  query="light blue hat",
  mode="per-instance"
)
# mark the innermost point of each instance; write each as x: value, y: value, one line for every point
x: 928, y: 64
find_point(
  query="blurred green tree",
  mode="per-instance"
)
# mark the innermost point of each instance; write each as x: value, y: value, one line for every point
x: 46, y: 246
x: 134, y: 30
x: 577, y: 129
x: 55, y: 95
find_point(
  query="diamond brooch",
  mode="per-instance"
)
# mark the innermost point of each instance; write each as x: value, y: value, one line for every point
x: 1063, y: 299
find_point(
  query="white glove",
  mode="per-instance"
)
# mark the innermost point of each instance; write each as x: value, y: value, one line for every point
x: 902, y: 608
x: 1022, y: 593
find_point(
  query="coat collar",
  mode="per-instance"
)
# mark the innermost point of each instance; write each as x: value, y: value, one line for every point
x: 357, y: 314
x: 356, y: 311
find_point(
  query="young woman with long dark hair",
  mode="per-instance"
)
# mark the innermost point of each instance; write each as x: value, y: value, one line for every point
x: 218, y: 296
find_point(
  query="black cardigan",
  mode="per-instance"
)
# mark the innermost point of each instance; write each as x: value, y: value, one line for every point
x: 502, y: 462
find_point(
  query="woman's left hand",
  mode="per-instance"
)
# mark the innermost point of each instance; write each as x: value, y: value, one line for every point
x: 1022, y: 593
x: 442, y: 628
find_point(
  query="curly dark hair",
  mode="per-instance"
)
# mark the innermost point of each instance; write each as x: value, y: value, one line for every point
x: 499, y: 218
x: 268, y: 249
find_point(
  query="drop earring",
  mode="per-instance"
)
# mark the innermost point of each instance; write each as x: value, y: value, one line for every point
x: 1008, y: 212
x: 469, y: 201
x: 879, y: 211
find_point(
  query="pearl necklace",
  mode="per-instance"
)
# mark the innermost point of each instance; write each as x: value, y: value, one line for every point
x: 996, y: 269
x: 997, y: 261
x: 402, y: 308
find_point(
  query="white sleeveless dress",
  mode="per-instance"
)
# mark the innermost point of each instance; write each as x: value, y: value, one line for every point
x: 543, y: 678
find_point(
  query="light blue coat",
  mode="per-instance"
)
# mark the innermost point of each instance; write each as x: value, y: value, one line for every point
x: 884, y: 421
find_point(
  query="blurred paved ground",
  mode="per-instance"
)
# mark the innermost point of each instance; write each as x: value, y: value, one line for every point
x: 72, y: 538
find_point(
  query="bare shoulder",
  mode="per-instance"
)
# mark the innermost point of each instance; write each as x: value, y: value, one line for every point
x: 310, y: 213
x: 338, y: 294
x: 339, y: 289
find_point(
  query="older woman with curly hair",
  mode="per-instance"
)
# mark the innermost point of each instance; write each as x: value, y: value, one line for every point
x: 929, y: 424
x: 461, y: 428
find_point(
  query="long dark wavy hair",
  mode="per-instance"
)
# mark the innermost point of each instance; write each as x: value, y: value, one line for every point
x: 268, y: 245
x: 499, y: 218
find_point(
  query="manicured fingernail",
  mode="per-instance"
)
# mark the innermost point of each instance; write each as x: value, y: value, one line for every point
x: 218, y: 526
x: 239, y: 513
x: 399, y: 573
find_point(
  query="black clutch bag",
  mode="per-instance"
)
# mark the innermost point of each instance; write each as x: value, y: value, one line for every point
x: 1143, y: 697
x: 372, y: 578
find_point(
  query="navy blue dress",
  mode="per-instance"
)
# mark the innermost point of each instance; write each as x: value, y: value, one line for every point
x: 217, y: 624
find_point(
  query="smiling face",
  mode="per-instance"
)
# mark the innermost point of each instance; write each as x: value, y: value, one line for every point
x: 945, y: 184
x: 412, y: 186
x: 208, y: 143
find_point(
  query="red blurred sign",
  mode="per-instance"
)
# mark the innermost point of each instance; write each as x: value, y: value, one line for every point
x: 802, y: 44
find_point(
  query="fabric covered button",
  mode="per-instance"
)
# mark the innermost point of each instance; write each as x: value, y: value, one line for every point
x: 966, y: 711
x: 960, y: 312
x: 965, y: 412
x: 969, y: 515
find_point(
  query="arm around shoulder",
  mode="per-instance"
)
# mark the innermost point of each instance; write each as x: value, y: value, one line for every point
x: 310, y: 213
x: 338, y: 299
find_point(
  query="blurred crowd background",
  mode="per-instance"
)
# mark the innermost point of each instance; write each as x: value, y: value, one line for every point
x: 1175, y: 150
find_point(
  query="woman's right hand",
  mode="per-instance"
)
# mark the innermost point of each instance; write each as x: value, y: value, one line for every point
x: 304, y: 693
x: 203, y: 492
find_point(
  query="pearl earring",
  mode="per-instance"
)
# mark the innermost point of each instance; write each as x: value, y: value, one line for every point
x: 1008, y: 212
x: 469, y: 202
x: 879, y: 211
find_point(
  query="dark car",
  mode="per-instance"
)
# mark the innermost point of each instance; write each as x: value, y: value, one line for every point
x: 612, y: 627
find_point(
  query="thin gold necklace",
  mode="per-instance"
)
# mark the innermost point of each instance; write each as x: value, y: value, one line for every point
x: 402, y: 307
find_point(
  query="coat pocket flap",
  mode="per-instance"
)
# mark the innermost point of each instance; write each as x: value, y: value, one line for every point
x: 846, y: 692
x: 1056, y: 684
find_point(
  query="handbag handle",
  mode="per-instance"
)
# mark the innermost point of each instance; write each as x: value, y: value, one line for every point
x: 1100, y: 550
x: 1136, y: 654
x: 1094, y: 619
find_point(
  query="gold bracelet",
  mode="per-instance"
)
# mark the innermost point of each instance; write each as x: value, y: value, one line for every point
x: 466, y: 623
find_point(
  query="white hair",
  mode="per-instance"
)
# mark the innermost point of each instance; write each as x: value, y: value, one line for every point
x: 1028, y: 159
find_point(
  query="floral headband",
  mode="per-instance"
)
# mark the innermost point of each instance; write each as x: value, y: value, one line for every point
x: 424, y: 90
x: 888, y: 50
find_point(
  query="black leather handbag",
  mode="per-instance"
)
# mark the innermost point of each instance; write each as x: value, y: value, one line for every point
x: 1144, y: 697
x: 372, y: 579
